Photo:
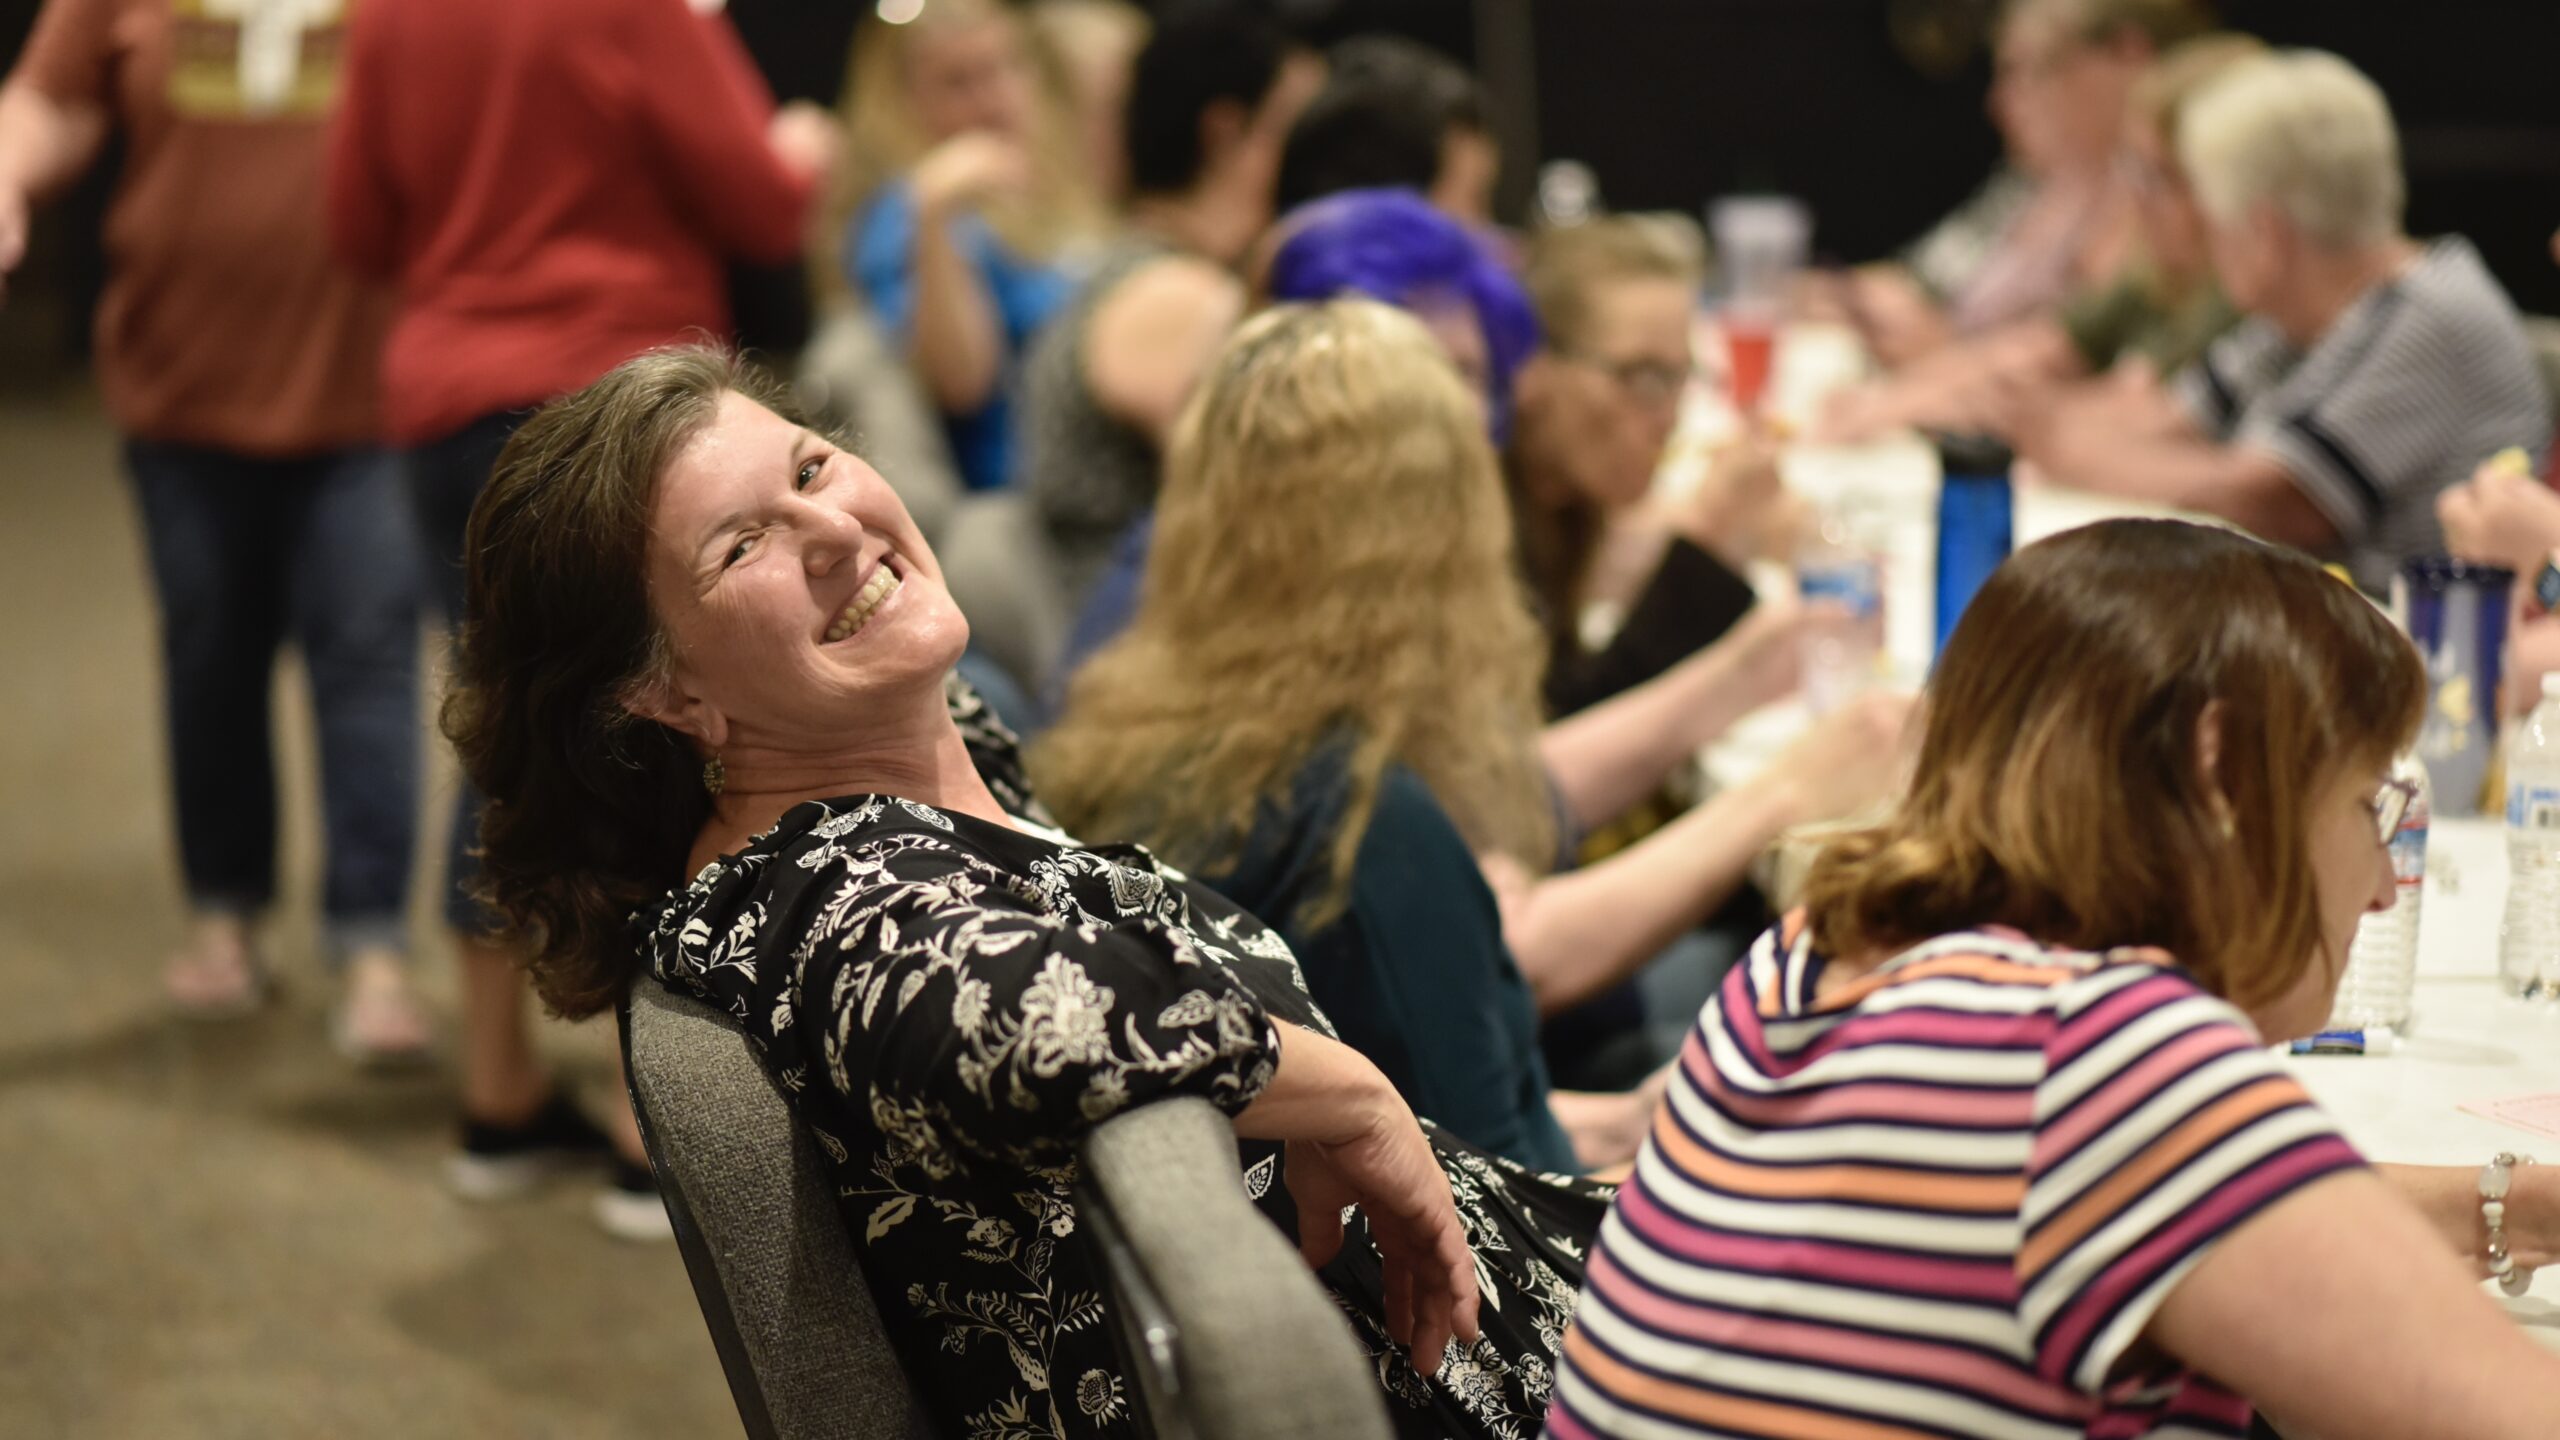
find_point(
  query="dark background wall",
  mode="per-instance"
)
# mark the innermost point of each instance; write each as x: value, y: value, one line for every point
x: 1675, y: 100
x: 1870, y: 109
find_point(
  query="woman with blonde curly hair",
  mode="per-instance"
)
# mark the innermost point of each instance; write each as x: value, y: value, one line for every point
x: 1328, y: 707
x: 965, y: 204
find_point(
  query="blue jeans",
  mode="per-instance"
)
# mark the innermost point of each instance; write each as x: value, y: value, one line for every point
x: 444, y: 478
x: 247, y: 554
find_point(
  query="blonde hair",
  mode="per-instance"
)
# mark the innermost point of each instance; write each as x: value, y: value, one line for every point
x: 1332, y: 562
x: 2161, y: 97
x: 1566, y: 266
x: 2306, y: 132
x: 1076, y: 38
x: 1565, y: 270
x: 883, y: 141
x: 2060, y: 789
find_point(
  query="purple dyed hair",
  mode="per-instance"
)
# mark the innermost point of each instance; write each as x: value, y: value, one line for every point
x: 1392, y: 246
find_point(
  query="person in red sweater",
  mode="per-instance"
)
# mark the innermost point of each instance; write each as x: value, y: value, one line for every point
x: 554, y: 188
x: 237, y: 361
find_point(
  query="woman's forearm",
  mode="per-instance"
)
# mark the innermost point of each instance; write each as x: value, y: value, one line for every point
x: 45, y: 142
x: 1606, y: 757
x: 2449, y: 1197
x: 1321, y: 1090
x: 956, y: 345
x: 1579, y: 933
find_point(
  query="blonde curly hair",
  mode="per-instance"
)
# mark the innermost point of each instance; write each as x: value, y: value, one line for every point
x: 1332, y: 563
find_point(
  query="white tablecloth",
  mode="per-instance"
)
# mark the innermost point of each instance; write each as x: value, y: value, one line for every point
x: 2468, y: 1042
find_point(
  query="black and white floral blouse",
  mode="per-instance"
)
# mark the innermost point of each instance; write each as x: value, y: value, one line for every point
x: 952, y: 1005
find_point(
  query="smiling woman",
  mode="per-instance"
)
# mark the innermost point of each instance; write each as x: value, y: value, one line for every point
x: 778, y: 572
x: 665, y: 571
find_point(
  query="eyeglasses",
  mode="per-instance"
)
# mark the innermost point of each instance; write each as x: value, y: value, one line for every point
x: 2390, y: 805
x: 1652, y: 383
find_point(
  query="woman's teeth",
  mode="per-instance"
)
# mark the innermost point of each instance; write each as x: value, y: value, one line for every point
x: 879, y: 587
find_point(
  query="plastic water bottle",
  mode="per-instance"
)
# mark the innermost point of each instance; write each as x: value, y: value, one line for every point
x: 1832, y: 566
x: 2529, y: 941
x: 1975, y: 522
x: 2382, y: 966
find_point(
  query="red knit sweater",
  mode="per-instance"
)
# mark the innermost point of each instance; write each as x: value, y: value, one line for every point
x: 554, y: 185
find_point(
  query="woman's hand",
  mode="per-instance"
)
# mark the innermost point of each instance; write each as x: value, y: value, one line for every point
x: 804, y: 137
x: 967, y: 169
x: 1390, y: 1173
x: 1608, y: 1129
x: 1763, y: 654
x: 2533, y: 1217
x: 2502, y: 516
x: 1733, y: 510
x: 1850, y: 759
x: 1352, y: 1142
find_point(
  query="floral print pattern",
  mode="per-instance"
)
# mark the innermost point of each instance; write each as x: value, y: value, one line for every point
x: 951, y: 1006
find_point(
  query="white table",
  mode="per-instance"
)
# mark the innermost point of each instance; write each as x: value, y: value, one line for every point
x: 2467, y: 1043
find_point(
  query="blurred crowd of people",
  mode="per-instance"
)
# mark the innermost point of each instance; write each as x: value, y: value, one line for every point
x: 1417, y: 673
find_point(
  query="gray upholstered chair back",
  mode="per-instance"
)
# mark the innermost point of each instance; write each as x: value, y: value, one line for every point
x: 755, y: 1215
x: 1227, y: 1334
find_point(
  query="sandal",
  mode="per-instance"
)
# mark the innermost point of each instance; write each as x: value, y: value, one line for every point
x: 380, y: 1024
x: 216, y: 976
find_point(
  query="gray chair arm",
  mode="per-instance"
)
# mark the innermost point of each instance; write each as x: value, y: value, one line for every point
x: 1262, y: 1352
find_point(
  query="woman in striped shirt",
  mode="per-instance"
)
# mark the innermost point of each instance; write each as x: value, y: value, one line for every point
x: 1985, y: 1141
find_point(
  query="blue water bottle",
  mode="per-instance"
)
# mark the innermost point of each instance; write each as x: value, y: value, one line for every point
x: 1973, y: 522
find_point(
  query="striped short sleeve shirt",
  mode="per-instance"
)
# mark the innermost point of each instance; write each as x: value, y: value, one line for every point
x: 2421, y: 379
x: 1943, y: 1200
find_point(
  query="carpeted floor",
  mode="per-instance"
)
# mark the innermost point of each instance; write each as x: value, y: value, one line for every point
x: 220, y: 1230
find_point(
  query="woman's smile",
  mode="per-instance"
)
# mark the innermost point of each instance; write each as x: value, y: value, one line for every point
x: 878, y: 590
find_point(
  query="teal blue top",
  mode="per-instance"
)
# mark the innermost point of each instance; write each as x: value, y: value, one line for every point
x: 1412, y: 970
x: 879, y: 251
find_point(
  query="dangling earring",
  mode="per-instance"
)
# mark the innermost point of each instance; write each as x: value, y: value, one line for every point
x: 714, y: 774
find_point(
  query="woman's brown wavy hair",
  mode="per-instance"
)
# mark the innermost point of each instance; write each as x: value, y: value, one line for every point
x: 2059, y: 788
x: 1332, y: 560
x: 590, y: 809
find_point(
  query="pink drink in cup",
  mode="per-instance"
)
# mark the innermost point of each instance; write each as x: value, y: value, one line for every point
x: 1760, y: 245
x: 1751, y: 343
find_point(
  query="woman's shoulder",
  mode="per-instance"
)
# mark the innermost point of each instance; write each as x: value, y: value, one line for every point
x: 1286, y: 857
x: 1403, y: 809
x: 1989, y: 965
x: 709, y: 932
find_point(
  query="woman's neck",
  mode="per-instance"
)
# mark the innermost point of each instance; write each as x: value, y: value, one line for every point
x: 926, y: 761
x: 1191, y: 222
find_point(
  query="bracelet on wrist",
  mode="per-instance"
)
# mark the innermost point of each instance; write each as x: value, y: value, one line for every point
x: 2496, y: 1179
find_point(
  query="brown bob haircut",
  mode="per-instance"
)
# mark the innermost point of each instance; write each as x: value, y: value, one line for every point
x: 2059, y: 789
x: 590, y: 810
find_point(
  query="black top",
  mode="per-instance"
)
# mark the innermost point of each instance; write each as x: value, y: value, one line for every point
x: 1690, y: 602
x: 1411, y: 965
x: 951, y: 1004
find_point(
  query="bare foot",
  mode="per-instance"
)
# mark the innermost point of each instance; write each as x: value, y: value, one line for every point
x: 380, y: 1022
x: 215, y: 975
